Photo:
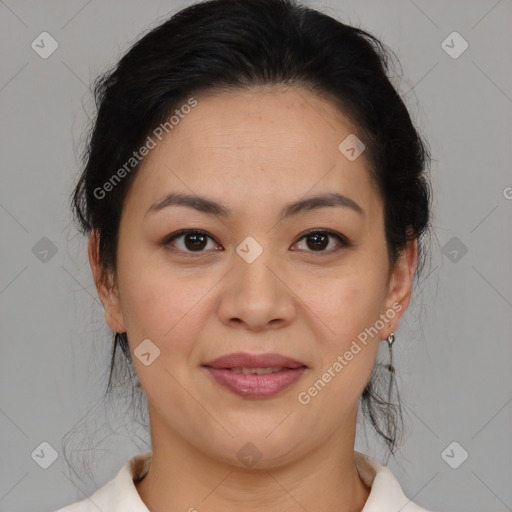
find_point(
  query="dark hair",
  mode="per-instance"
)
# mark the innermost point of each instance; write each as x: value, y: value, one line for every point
x: 238, y: 44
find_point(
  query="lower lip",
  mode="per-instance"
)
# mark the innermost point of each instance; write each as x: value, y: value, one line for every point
x: 253, y: 385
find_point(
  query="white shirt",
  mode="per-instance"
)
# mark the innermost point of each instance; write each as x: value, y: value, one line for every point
x: 120, y: 493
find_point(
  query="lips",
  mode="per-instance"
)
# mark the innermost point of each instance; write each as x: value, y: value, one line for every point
x: 240, y: 360
x: 255, y: 376
x: 256, y: 371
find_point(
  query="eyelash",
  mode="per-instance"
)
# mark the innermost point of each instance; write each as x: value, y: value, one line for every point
x: 344, y: 242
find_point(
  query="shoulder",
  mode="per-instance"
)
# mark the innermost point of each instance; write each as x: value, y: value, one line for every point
x: 386, y: 494
x: 119, y: 494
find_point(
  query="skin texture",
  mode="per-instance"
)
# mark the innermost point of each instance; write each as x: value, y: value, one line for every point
x: 254, y: 151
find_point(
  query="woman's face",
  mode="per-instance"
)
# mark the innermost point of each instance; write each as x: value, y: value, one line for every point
x: 254, y: 283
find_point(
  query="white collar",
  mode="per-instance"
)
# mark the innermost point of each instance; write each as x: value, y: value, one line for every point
x: 120, y: 494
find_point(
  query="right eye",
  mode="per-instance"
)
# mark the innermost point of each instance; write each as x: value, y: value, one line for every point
x: 192, y: 241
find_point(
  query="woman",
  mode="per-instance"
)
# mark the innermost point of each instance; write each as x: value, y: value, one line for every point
x: 256, y: 200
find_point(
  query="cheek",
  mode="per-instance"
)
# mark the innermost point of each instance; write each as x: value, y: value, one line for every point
x: 346, y: 303
x: 160, y: 304
x: 346, y: 312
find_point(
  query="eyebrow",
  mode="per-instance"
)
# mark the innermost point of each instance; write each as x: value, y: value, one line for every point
x: 211, y: 207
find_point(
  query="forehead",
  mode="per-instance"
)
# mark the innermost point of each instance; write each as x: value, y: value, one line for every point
x: 264, y: 146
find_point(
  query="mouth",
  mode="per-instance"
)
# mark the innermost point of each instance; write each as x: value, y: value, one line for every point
x: 255, y: 376
x: 257, y: 371
x: 247, y: 361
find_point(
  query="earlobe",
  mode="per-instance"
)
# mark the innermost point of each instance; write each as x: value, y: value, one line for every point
x: 105, y: 286
x: 400, y: 285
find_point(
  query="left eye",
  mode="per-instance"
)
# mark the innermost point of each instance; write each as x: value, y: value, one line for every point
x: 320, y: 240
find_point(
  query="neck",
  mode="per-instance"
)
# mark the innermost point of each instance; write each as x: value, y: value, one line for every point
x: 183, y: 478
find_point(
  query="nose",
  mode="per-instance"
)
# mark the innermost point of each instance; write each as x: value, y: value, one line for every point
x: 256, y: 295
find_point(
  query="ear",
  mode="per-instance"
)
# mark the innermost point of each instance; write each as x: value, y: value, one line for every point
x: 105, y: 285
x: 400, y: 286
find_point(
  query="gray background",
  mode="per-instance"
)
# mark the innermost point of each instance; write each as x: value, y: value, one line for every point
x: 453, y: 352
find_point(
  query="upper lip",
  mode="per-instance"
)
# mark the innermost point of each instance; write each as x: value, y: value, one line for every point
x: 246, y: 360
